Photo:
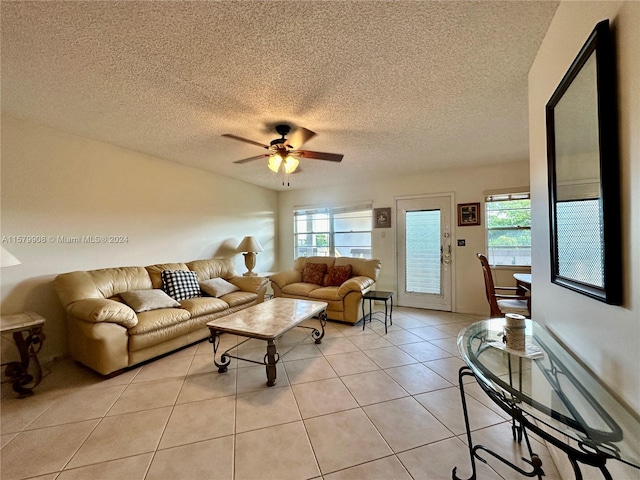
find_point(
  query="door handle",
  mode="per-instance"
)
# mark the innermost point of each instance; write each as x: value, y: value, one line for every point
x: 446, y: 258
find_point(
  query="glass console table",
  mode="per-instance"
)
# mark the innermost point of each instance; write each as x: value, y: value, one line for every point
x: 546, y: 391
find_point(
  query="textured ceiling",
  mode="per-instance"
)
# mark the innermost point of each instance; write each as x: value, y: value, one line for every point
x: 397, y: 87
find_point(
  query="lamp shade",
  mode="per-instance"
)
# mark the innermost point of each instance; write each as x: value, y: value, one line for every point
x: 249, y: 244
x: 7, y: 259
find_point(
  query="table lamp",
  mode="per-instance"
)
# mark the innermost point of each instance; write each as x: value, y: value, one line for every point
x: 251, y: 247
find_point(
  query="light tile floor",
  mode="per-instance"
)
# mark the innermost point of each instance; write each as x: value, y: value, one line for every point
x: 360, y: 405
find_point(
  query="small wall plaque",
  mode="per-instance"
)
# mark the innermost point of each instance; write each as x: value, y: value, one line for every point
x: 382, y: 217
x: 468, y: 214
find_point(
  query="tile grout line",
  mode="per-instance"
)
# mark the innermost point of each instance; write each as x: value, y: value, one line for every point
x: 338, y: 333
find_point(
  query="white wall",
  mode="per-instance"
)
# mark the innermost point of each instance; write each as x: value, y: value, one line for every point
x: 605, y: 337
x: 59, y: 185
x: 467, y: 185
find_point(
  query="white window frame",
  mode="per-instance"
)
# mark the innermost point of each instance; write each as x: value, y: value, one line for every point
x: 331, y: 211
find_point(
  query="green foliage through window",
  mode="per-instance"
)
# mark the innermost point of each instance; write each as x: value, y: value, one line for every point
x: 508, y: 223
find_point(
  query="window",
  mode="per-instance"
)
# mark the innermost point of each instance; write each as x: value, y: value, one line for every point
x: 508, y: 220
x: 333, y: 231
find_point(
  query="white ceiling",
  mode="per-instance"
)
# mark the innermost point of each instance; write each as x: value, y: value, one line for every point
x: 398, y: 87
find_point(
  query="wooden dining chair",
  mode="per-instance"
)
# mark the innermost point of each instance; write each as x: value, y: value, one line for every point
x: 499, y: 303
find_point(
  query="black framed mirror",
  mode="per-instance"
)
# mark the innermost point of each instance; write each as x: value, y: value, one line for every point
x: 583, y: 166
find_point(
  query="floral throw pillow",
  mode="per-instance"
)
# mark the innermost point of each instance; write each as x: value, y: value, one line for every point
x: 314, y: 273
x: 338, y: 275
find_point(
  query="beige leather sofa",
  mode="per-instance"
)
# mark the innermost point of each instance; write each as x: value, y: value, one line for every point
x: 108, y: 336
x: 344, y: 299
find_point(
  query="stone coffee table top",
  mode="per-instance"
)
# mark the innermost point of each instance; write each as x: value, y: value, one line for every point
x: 270, y: 319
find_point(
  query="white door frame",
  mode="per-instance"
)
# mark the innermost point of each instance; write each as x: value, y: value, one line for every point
x: 452, y: 231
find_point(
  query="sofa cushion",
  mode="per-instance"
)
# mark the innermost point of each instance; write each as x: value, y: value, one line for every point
x: 170, y: 333
x: 239, y: 298
x: 338, y: 274
x: 325, y: 293
x: 159, y: 319
x: 204, y: 305
x: 300, y: 262
x: 155, y: 272
x: 180, y: 284
x: 299, y: 289
x: 314, y: 273
x: 361, y: 266
x: 212, y: 268
x: 145, y: 300
x: 217, y: 287
x: 98, y: 310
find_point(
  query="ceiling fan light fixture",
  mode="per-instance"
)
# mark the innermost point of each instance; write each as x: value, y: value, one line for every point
x: 290, y: 164
x: 284, y: 153
x: 274, y: 162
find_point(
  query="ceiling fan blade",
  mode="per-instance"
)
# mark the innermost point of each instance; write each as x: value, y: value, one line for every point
x: 299, y: 137
x: 250, y: 159
x: 332, y: 157
x: 245, y: 140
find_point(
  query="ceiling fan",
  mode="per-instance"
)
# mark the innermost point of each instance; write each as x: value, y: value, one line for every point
x: 284, y: 153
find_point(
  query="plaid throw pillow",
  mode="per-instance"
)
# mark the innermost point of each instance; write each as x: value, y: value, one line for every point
x: 180, y: 284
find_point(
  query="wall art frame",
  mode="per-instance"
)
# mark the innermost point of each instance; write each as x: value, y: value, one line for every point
x: 382, y: 217
x: 468, y: 214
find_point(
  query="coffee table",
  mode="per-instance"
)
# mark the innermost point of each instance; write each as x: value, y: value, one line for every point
x: 266, y: 321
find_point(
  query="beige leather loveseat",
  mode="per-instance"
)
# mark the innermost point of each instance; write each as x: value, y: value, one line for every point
x: 339, y: 281
x: 113, y: 324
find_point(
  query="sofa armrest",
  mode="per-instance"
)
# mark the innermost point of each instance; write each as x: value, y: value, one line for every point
x: 282, y: 279
x: 103, y: 310
x: 249, y: 284
x: 355, y: 284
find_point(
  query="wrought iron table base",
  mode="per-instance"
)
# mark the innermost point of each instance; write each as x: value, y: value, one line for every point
x: 28, y: 346
x: 271, y: 358
x: 520, y: 425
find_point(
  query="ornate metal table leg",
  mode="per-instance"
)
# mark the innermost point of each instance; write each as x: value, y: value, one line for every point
x: 535, y: 463
x: 271, y: 359
x: 466, y: 371
x: 316, y: 334
x: 18, y: 372
x: 214, y: 339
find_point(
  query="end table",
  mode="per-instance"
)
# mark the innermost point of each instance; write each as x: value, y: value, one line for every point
x: 378, y: 295
x: 28, y: 335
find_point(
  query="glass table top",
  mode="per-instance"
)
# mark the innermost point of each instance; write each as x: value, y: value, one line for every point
x: 547, y: 383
